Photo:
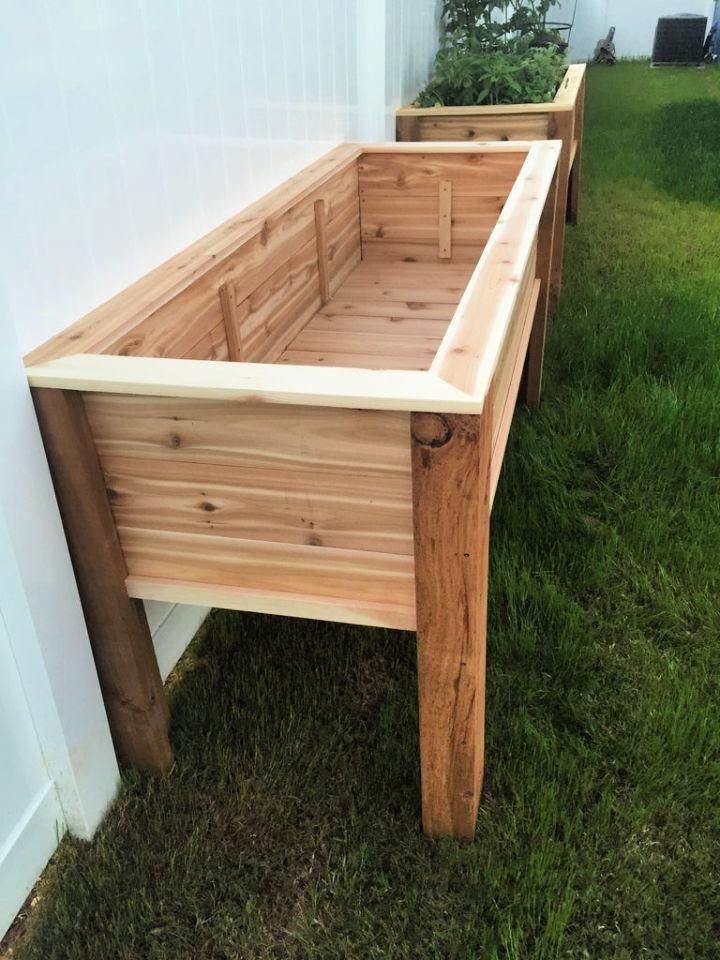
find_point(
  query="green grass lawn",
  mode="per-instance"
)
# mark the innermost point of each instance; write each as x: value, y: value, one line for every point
x: 289, y: 827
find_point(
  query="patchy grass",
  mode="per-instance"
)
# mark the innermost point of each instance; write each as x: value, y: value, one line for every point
x: 289, y: 825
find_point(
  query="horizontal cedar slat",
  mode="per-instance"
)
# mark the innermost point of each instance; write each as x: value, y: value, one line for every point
x: 258, y: 434
x: 336, y: 609
x: 371, y: 326
x: 347, y: 304
x: 470, y: 127
x: 299, y: 505
x: 211, y: 346
x: 471, y: 173
x: 261, y: 565
x: 389, y: 345
x: 327, y: 358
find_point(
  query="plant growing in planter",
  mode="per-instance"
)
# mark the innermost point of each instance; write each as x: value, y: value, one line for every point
x: 500, y: 75
x: 495, y: 51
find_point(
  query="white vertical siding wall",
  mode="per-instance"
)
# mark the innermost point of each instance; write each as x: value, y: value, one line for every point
x: 411, y: 42
x: 129, y: 128
x: 57, y: 765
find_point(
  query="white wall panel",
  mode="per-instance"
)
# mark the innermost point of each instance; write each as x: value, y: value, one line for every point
x: 411, y: 42
x: 128, y: 128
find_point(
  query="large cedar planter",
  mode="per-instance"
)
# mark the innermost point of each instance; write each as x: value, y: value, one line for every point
x: 305, y: 413
x: 560, y: 120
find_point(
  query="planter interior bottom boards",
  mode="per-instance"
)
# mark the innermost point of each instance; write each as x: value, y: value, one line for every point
x: 305, y: 413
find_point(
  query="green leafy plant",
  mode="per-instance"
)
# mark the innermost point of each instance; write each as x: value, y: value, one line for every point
x: 496, y: 23
x: 471, y: 75
x: 495, y: 51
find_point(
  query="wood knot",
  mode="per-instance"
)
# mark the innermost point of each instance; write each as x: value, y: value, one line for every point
x: 208, y: 507
x: 174, y: 440
x: 431, y: 429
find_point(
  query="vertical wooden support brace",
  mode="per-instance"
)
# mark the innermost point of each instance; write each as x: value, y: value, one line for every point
x: 451, y: 510
x: 322, y: 250
x: 119, y: 634
x: 560, y: 128
x: 547, y: 236
x: 231, y: 319
x: 445, y: 220
x: 576, y: 173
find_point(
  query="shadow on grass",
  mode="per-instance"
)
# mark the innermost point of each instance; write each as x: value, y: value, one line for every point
x: 687, y: 140
x: 289, y: 826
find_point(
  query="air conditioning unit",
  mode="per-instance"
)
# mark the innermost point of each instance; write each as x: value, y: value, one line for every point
x: 679, y: 41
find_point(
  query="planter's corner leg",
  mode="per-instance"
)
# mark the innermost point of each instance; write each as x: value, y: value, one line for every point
x: 451, y: 509
x: 573, y: 195
x: 576, y: 174
x: 122, y: 646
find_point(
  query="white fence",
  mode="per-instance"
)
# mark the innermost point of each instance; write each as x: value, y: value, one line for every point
x: 128, y: 130
x: 57, y: 766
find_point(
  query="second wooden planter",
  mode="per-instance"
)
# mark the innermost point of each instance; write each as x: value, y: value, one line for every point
x: 562, y: 119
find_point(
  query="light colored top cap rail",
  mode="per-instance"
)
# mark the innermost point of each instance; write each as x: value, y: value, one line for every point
x: 470, y: 350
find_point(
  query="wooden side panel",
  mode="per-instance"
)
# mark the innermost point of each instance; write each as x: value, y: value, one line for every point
x: 211, y: 346
x: 272, y: 265
x: 248, y: 433
x: 267, y: 567
x: 274, y: 300
x: 511, y: 348
x: 137, y: 321
x: 503, y: 411
x: 271, y: 500
x: 401, y: 196
x: 259, y: 503
x: 470, y: 127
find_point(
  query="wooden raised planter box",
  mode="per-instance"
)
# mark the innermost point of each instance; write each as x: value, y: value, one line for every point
x: 305, y: 413
x: 562, y: 119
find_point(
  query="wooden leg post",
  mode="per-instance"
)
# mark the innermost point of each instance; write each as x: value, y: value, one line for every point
x: 532, y: 383
x: 122, y: 646
x: 451, y: 485
x: 562, y: 129
x: 576, y: 175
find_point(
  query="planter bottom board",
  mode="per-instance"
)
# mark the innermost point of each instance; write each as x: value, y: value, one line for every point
x: 386, y: 315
